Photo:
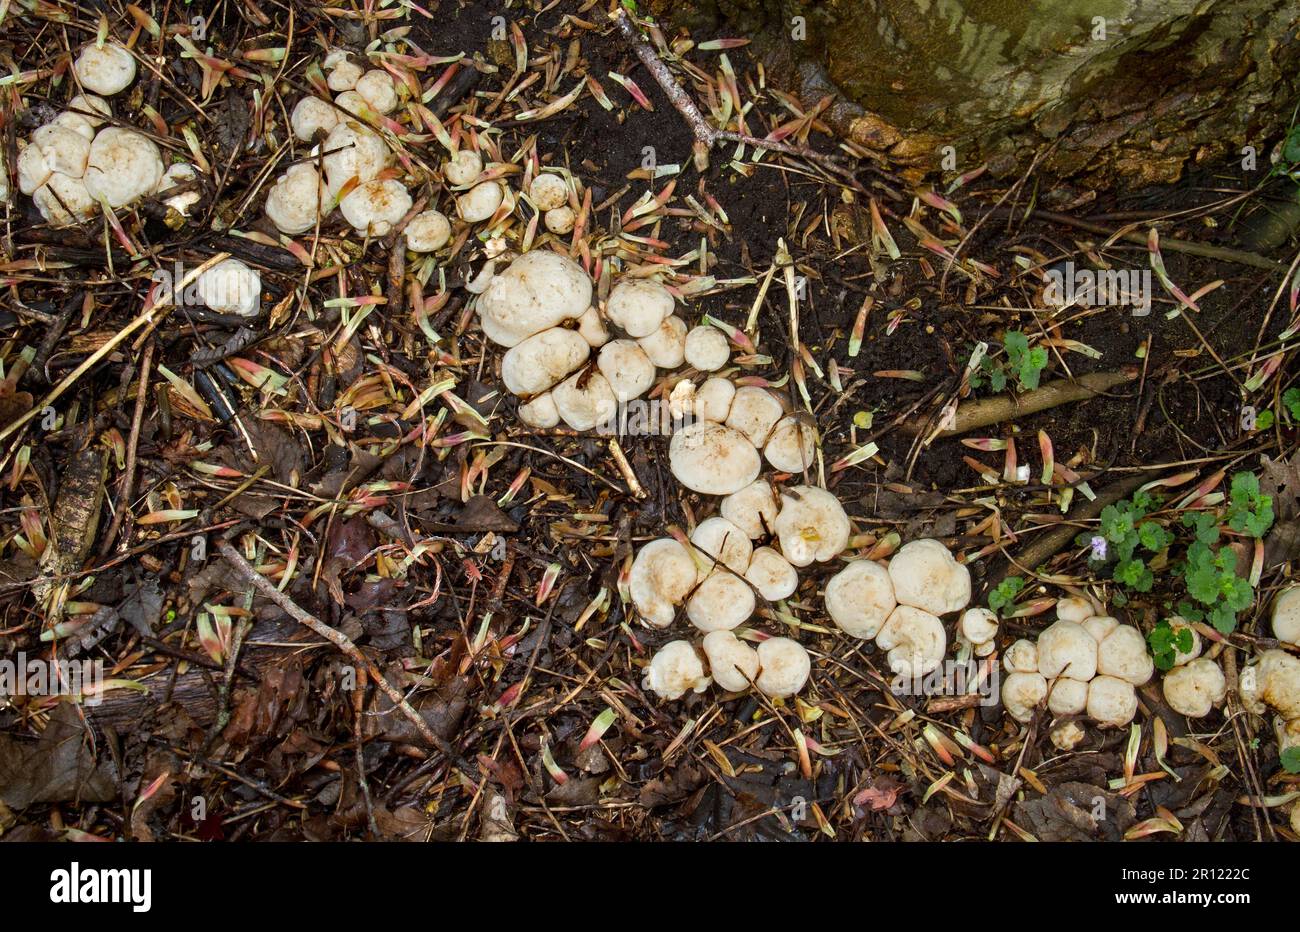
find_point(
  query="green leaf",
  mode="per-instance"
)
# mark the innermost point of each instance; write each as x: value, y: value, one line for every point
x: 1291, y: 759
x: 1264, y: 420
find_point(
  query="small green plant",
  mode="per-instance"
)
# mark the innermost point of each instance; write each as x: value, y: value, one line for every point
x: 1291, y: 760
x: 1166, y: 644
x: 1022, y: 362
x: 1249, y: 511
x: 1124, y: 532
x: 1290, y: 410
x: 1005, y: 593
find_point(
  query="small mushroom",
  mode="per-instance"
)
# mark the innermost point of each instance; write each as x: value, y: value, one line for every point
x: 662, y: 574
x: 375, y: 207
x: 792, y: 445
x: 1073, y: 609
x: 629, y: 370
x: 1068, y: 696
x: 548, y: 191
x: 297, y: 200
x: 428, y: 231
x: 732, y: 662
x: 707, y: 349
x: 753, y: 509
x: 772, y: 575
x: 666, y: 347
x: 915, y: 641
x: 1022, y: 692
x: 754, y: 412
x: 353, y: 103
x: 177, y: 174
x: 76, y: 123
x: 479, y: 202
x: 343, y: 74
x: 979, y: 625
x: 712, y: 459
x: 1099, y: 626
x: 63, y: 149
x: 540, y: 412
x: 1021, y: 657
x: 122, y: 166
x: 1194, y: 688
x: 63, y: 200
x: 91, y: 108
x: 352, y: 151
x: 927, y: 577
x: 1111, y: 701
x: 310, y: 116
x: 811, y: 525
x: 1272, y: 681
x: 1068, y: 735
x: 464, y: 168
x: 784, y: 666
x: 860, y: 598
x: 722, y: 602
x: 639, y: 306
x: 723, y: 541
x: 675, y: 670
x: 1066, y: 649
x: 105, y: 69
x: 1124, y: 655
x: 592, y: 329
x: 713, y: 400
x: 32, y: 169
x: 584, y: 400
x: 1286, y: 616
x: 542, y: 360
x: 377, y: 89
x: 230, y: 287
x: 560, y: 220
x: 537, y: 291
x: 1178, y: 625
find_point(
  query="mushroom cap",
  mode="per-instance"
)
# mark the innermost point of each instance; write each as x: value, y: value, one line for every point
x: 732, y: 662
x: 560, y: 220
x: 784, y: 666
x: 537, y: 291
x: 356, y: 105
x: 1286, y: 616
x: 32, y: 168
x: 548, y: 191
x: 926, y: 576
x: 375, y: 207
x: 1073, y: 609
x: 542, y: 360
x: 1021, y: 657
x: 297, y: 199
x: 1066, y: 649
x: 353, y: 151
x: 712, y: 459
x: 64, y: 150
x: 1099, y: 626
x: 662, y: 574
x: 61, y: 194
x: 428, y: 231
x: 1177, y: 624
x: 1273, y: 681
x: 465, y: 166
x: 722, y: 602
x: 723, y: 542
x: 312, y: 115
x: 1068, y: 696
x: 1124, y: 655
x: 707, y: 348
x: 592, y: 328
x: 675, y: 670
x: 639, y: 306
x: 91, y: 108
x: 1021, y: 694
x: 752, y: 509
x: 915, y: 640
x: 122, y: 166
x: 343, y: 76
x: 480, y: 202
x: 377, y: 89
x: 792, y: 445
x: 754, y: 412
x: 860, y: 598
x: 979, y: 625
x: 177, y: 174
x: 1111, y: 701
x: 75, y: 122
x: 713, y: 400
x: 584, y: 400
x: 772, y: 575
x: 105, y: 69
x: 1068, y: 735
x: 230, y: 287
x: 540, y: 412
x: 666, y: 347
x: 628, y: 369
x: 1193, y: 688
x: 811, y: 525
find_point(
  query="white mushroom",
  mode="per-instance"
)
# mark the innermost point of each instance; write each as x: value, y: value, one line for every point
x: 76, y: 123
x: 927, y: 577
x: 32, y: 170
x: 375, y: 207
x: 310, y: 116
x: 723, y: 541
x: 772, y: 575
x: 1272, y: 681
x: 428, y: 231
x: 1068, y: 696
x: 1068, y: 735
x: 860, y: 598
x: 1066, y: 649
x: 64, y: 150
x: 712, y: 459
x: 792, y: 445
x: 585, y: 400
x: 105, y: 69
x: 1177, y: 626
x: 63, y: 200
x: 1194, y: 688
x: 629, y: 370
x: 1073, y: 609
x: 540, y: 412
x: 754, y: 412
x: 542, y: 360
x: 464, y: 168
x: 1021, y: 657
x: 537, y: 291
x: 811, y: 525
x: 1124, y: 655
x: 378, y: 90
x: 1022, y: 693
x: 713, y: 400
x: 91, y: 108
x: 675, y: 670
x: 979, y: 625
x: 1099, y: 626
x: 666, y: 347
x: 707, y: 349
x: 560, y: 220
x: 592, y: 329
x: 480, y: 202
x: 732, y: 662
x: 297, y: 199
x: 722, y: 602
x: 784, y: 666
x: 662, y: 574
x: 639, y: 306
x: 177, y: 174
x: 752, y: 509
x: 914, y: 639
x: 343, y: 74
x: 548, y: 191
x: 122, y: 166
x: 356, y: 105
x: 231, y: 287
x: 1286, y: 616
x: 352, y: 151
x: 1111, y: 701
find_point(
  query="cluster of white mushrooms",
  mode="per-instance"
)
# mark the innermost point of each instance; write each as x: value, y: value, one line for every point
x: 1272, y: 681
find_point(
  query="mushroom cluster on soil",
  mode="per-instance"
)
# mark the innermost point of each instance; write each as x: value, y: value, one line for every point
x: 1272, y: 681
